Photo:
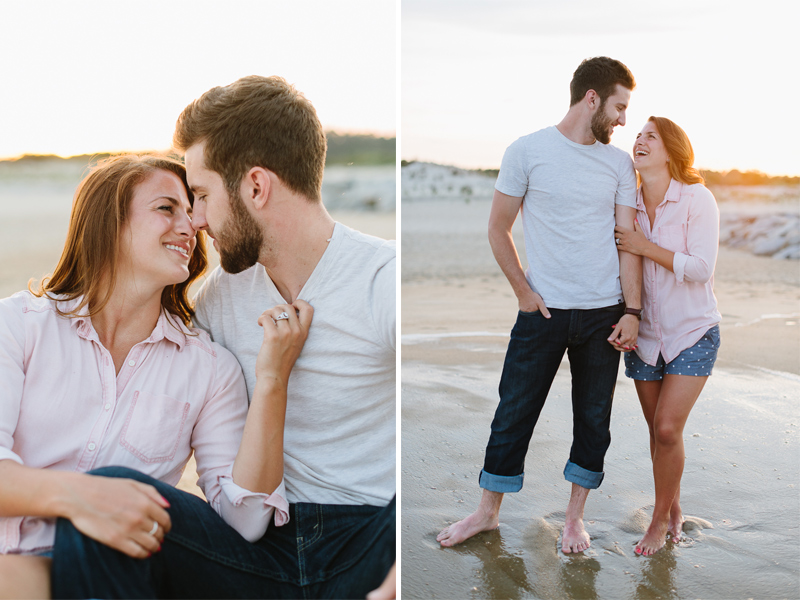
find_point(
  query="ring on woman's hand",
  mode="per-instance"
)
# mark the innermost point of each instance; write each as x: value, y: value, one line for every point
x: 280, y: 317
x: 154, y: 529
x: 617, y: 240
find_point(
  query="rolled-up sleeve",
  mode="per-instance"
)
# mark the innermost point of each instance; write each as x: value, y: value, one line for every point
x: 216, y: 440
x: 702, y: 240
x: 250, y: 513
x: 12, y: 372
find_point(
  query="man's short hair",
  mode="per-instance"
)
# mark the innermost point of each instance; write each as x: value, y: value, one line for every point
x: 601, y: 74
x: 257, y: 122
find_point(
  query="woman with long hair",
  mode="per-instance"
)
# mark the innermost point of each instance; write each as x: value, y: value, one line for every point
x: 100, y: 368
x: 677, y: 234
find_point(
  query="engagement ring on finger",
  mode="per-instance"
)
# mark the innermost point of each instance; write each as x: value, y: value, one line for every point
x: 154, y: 529
x: 617, y: 240
x: 280, y: 317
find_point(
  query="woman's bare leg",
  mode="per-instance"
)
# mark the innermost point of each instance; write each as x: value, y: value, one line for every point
x: 676, y: 398
x: 648, y: 392
x: 24, y: 576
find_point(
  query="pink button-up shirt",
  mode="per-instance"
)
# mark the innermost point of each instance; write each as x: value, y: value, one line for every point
x: 679, y: 307
x: 64, y: 407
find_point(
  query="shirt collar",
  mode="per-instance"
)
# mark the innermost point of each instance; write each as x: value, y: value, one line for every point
x: 673, y: 194
x: 167, y: 327
x: 171, y: 328
x: 674, y: 191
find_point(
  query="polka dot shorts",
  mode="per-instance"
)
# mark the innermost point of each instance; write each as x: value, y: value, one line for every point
x: 698, y: 361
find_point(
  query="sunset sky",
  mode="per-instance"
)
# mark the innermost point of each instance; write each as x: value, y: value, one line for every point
x: 477, y: 74
x: 81, y: 76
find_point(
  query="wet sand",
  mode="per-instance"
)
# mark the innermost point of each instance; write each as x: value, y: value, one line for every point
x: 740, y: 486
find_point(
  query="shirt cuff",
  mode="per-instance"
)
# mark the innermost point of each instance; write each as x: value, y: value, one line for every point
x: 250, y: 513
x: 679, y: 266
x: 6, y: 454
x: 10, y: 534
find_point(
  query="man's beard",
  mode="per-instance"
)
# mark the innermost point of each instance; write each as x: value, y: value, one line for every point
x: 601, y: 125
x: 239, y: 238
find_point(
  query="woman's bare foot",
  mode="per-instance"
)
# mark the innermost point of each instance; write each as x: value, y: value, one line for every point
x: 675, y: 526
x: 466, y: 528
x: 574, y: 537
x: 654, y: 539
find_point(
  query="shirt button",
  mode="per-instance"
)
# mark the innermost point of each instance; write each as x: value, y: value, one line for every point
x: 107, y: 407
x: 92, y: 447
x: 131, y: 363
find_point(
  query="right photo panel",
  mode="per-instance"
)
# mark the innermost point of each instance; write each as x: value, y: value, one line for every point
x: 600, y: 242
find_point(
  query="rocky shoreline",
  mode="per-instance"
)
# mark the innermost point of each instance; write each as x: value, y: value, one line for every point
x: 776, y: 235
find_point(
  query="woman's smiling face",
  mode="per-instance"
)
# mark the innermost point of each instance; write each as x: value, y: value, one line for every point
x: 649, y: 150
x: 157, y: 239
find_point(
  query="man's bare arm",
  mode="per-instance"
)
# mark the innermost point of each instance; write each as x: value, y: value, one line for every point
x: 501, y: 219
x: 626, y: 331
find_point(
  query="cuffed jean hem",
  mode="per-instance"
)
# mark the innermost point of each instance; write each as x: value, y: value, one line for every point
x: 590, y: 480
x: 502, y: 484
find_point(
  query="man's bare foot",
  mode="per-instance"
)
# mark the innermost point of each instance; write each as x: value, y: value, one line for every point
x: 675, y: 526
x: 574, y: 537
x: 466, y: 528
x: 654, y: 539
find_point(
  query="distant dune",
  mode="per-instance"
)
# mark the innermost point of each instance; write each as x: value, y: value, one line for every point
x: 343, y: 149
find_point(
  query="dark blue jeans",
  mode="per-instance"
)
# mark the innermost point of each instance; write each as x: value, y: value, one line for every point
x: 534, y: 354
x: 325, y: 551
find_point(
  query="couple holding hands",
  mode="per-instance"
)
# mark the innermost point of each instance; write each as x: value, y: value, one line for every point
x: 613, y: 267
x: 112, y: 377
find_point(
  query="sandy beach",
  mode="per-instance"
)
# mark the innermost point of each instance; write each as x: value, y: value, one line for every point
x: 740, y: 487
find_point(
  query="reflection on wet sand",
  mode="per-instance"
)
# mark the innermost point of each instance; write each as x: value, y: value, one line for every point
x: 741, y: 476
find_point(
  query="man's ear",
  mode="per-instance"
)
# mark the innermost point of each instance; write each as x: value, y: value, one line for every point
x: 592, y: 99
x: 256, y: 187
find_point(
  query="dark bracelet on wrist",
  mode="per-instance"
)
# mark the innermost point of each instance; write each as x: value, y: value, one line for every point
x: 634, y: 311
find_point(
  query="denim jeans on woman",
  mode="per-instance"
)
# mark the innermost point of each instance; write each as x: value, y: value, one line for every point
x: 325, y: 551
x: 534, y: 354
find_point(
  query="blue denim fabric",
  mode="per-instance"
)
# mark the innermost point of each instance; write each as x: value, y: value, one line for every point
x: 697, y: 360
x: 499, y: 483
x: 534, y: 354
x: 325, y: 551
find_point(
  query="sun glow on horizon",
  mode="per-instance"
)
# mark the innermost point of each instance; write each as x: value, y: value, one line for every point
x: 475, y: 81
x: 99, y: 77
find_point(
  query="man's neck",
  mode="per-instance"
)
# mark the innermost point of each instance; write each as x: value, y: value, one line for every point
x: 295, y: 246
x: 576, y: 126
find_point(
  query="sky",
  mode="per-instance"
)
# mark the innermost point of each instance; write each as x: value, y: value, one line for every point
x: 81, y: 76
x: 478, y: 74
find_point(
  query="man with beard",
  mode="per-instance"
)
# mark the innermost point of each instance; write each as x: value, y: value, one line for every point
x: 255, y: 154
x: 572, y: 188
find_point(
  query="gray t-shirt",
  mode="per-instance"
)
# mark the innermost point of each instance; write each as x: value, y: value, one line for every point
x: 569, y: 193
x: 339, y: 442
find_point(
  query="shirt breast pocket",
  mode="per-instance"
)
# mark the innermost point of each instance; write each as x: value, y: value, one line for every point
x: 672, y: 238
x: 153, y: 427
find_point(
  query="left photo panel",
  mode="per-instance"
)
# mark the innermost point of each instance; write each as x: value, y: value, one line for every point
x: 198, y: 300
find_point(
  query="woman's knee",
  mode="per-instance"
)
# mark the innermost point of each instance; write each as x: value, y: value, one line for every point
x: 667, y: 433
x: 120, y: 473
